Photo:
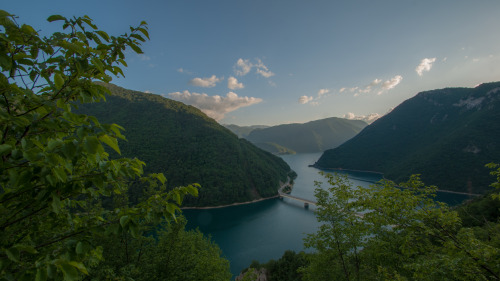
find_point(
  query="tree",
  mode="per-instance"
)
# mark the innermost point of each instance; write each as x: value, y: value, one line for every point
x: 54, y: 167
x: 173, y: 254
x: 403, y: 233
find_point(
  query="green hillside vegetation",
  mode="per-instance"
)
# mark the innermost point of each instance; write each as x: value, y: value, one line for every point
x: 314, y: 136
x: 243, y: 131
x: 274, y: 148
x: 189, y: 147
x: 446, y: 135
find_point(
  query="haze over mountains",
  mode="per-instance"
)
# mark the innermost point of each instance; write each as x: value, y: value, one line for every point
x: 446, y: 135
x: 189, y: 147
x: 314, y: 136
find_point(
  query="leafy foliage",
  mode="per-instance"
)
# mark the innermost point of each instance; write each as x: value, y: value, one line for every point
x: 187, y: 146
x: 54, y: 166
x: 173, y: 254
x: 396, y: 232
x: 446, y: 135
x: 285, y: 268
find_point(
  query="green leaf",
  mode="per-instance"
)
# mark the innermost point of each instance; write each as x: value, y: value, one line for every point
x: 79, y: 248
x: 79, y: 266
x: 138, y: 37
x: 58, y: 80
x: 41, y: 274
x: 12, y: 254
x: 98, y: 63
x: 103, y: 35
x: 56, y: 204
x: 134, y: 230
x: 5, y: 149
x: 26, y: 248
x: 144, y: 31
x: 112, y: 142
x: 91, y: 144
x: 70, y: 272
x: 27, y: 29
x: 135, y: 48
x: 124, y: 220
x: 161, y: 177
x: 55, y: 18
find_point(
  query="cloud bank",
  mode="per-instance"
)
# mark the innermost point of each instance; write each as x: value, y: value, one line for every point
x: 205, y: 82
x: 214, y: 106
x: 425, y: 65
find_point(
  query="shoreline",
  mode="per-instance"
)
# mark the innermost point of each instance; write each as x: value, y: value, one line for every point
x: 341, y: 169
x: 282, y: 185
x: 229, y: 205
x: 373, y: 172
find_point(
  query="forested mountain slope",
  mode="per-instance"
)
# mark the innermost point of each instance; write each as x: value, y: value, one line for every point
x: 314, y: 136
x: 189, y: 147
x: 446, y: 135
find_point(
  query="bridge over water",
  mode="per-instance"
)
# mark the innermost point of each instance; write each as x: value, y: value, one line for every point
x: 306, y: 201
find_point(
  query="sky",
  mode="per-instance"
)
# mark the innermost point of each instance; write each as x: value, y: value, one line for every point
x: 270, y: 62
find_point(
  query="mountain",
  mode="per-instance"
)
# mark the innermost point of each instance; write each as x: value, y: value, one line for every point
x: 243, y: 131
x: 189, y: 147
x: 314, y: 136
x: 446, y: 135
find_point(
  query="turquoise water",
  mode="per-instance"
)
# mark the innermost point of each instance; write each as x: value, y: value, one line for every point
x: 265, y: 230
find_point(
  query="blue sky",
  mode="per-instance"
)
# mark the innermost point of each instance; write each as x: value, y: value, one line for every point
x: 274, y: 62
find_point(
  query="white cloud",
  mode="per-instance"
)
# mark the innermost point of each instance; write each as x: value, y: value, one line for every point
x: 321, y: 92
x: 242, y: 67
x: 214, y: 106
x: 182, y: 70
x: 390, y: 84
x: 264, y: 73
x: 375, y: 82
x: 205, y: 82
x: 376, y: 85
x: 425, y: 65
x: 262, y: 69
x: 232, y: 83
x: 305, y: 99
x: 370, y: 118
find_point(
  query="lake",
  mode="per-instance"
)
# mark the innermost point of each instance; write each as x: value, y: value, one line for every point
x: 265, y: 230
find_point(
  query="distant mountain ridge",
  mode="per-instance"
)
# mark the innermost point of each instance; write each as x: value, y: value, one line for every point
x: 314, y: 136
x: 243, y: 131
x: 446, y: 135
x: 189, y: 147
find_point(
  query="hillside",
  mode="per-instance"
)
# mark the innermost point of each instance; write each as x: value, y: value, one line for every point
x: 188, y: 147
x: 314, y: 136
x: 446, y: 135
